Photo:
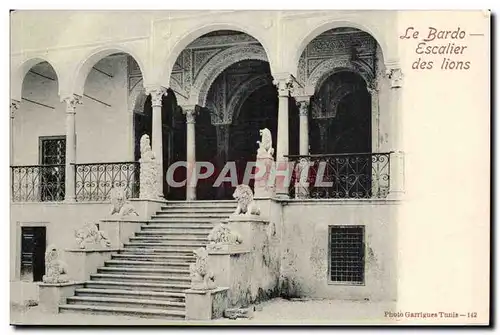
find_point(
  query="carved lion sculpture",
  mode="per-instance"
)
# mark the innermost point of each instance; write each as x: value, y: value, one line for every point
x: 55, y: 269
x: 145, y: 145
x: 120, y: 205
x: 89, y: 234
x: 201, y: 277
x: 265, y: 144
x: 246, y: 205
x: 221, y: 234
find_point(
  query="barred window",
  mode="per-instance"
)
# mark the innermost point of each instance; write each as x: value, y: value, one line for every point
x: 347, y: 254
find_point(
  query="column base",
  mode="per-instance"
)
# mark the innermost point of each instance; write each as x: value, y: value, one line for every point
x: 282, y: 196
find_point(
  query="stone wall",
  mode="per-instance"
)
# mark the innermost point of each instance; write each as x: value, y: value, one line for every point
x: 305, y: 254
x: 60, y: 219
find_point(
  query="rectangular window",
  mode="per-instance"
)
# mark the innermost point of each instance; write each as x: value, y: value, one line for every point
x: 347, y: 254
x: 52, y: 150
x: 52, y: 159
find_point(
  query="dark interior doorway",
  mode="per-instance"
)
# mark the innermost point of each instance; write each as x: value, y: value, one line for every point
x: 33, y: 244
x: 343, y: 117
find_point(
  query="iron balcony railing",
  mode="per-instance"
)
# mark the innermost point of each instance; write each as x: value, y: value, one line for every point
x: 344, y: 176
x: 37, y: 183
x: 94, y: 181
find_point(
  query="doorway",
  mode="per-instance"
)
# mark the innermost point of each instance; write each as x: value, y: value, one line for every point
x: 33, y: 245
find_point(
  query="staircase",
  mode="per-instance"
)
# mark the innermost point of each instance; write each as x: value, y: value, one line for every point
x: 148, y: 276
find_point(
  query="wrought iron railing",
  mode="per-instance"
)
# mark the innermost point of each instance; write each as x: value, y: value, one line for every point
x: 38, y: 183
x: 94, y: 181
x: 356, y: 175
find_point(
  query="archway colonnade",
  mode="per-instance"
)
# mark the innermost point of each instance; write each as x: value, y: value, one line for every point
x: 283, y: 55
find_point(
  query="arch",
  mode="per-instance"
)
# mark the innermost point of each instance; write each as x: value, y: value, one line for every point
x: 20, y: 72
x: 219, y: 63
x: 202, y: 29
x: 332, y: 24
x: 93, y: 57
x: 244, y: 91
x: 137, y: 98
x: 334, y: 65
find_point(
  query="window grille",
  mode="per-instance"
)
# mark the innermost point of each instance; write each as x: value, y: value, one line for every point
x: 347, y: 254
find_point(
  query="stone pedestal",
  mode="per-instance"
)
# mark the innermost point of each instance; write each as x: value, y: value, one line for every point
x: 145, y: 208
x: 251, y: 269
x: 52, y: 295
x: 119, y: 231
x: 83, y: 262
x: 206, y: 305
x: 264, y: 186
x: 250, y: 227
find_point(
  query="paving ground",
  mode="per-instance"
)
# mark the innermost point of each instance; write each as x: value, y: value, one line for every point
x: 276, y: 311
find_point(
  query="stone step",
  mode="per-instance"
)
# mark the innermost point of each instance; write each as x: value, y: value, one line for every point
x: 188, y: 210
x: 161, y: 240
x: 112, y: 310
x: 176, y: 235
x: 175, y: 226
x: 128, y: 294
x: 202, y: 204
x: 145, y: 271
x: 189, y: 219
x: 178, y: 279
x: 149, y: 257
x: 180, y: 245
x: 147, y: 264
x: 137, y: 286
x: 126, y: 302
x: 173, y: 238
x: 174, y: 232
x: 151, y: 250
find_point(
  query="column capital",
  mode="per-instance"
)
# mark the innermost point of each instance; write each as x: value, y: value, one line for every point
x: 71, y: 102
x: 284, y: 83
x: 14, y: 105
x: 303, y: 103
x: 157, y: 93
x: 190, y: 111
x: 395, y: 75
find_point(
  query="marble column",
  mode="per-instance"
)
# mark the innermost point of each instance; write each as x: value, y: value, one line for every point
x: 323, y: 124
x: 284, y: 85
x: 222, y: 130
x: 71, y: 102
x: 14, y: 106
x: 191, y: 180
x: 157, y: 94
x: 303, y: 105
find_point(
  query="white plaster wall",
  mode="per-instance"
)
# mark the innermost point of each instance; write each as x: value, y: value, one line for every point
x: 304, y: 262
x: 104, y: 134
x: 32, y: 121
x: 60, y: 220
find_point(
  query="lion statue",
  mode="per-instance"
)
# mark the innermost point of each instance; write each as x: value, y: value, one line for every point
x: 90, y: 234
x: 246, y: 205
x: 120, y: 205
x: 55, y: 269
x: 265, y: 144
x: 221, y: 234
x: 201, y: 277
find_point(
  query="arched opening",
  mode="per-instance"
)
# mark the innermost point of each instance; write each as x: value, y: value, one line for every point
x: 38, y: 137
x: 341, y: 65
x: 227, y: 74
x: 341, y: 116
